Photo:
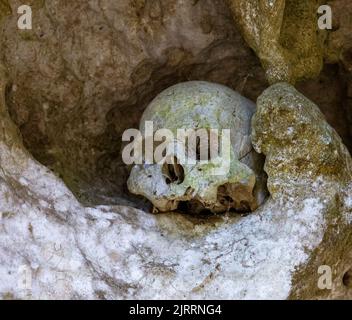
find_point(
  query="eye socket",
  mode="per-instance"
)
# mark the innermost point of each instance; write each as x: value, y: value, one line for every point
x: 173, y: 172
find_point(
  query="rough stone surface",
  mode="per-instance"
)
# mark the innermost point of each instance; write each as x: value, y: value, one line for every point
x: 334, y: 252
x: 284, y: 34
x: 89, y: 76
x: 305, y: 156
x: 53, y: 247
x: 334, y: 101
x: 61, y: 82
x: 298, y: 143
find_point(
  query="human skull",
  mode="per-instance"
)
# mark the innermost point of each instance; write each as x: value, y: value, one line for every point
x: 169, y: 185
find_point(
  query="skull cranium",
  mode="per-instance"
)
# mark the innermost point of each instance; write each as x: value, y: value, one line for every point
x: 202, y: 105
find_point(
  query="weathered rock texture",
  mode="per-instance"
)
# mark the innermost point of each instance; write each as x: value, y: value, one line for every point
x: 89, y: 76
x: 89, y: 68
x: 306, y: 158
x: 84, y: 74
x: 284, y: 34
x: 334, y: 251
x: 299, y: 145
x: 286, y: 38
x: 53, y: 247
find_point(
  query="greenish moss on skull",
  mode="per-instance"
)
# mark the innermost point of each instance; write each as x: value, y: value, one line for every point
x: 202, y: 105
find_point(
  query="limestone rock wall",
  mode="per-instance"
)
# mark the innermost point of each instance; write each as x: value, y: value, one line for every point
x: 85, y: 72
x: 285, y: 36
x: 89, y: 76
x: 89, y: 69
x: 52, y: 247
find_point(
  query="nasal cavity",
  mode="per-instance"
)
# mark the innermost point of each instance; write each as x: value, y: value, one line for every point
x: 173, y: 172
